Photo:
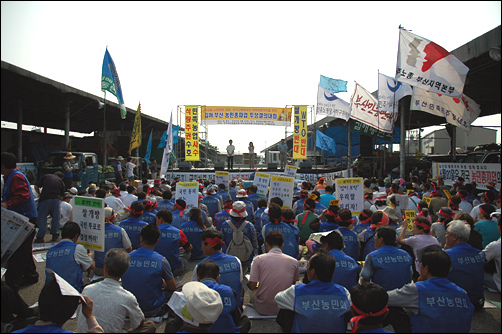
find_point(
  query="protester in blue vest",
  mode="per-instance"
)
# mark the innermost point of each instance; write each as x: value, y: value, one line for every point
x: 307, y: 300
x: 364, y: 221
x: 243, y: 197
x: 369, y: 308
x: 264, y: 217
x: 68, y: 170
x: 347, y: 269
x: 211, y: 201
x: 225, y: 196
x: 115, y: 237
x: 437, y: 305
x: 290, y: 233
x: 134, y: 224
x: 193, y: 230
x: 378, y: 218
x: 224, y: 215
x: 232, y: 190
x: 319, y: 208
x: 179, y: 215
x: 253, y: 197
x: 69, y: 259
x: 149, y: 277
x: 387, y: 266
x: 330, y: 220
x: 208, y: 272
x: 258, y: 219
x: 208, y: 221
x: 17, y: 196
x: 467, y: 262
x: 230, y: 266
x: 166, y: 203
x: 298, y: 205
x: 148, y: 214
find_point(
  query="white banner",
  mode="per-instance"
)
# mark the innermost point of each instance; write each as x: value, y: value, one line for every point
x: 365, y: 110
x: 350, y: 193
x: 460, y: 112
x: 89, y: 214
x: 425, y: 65
x: 479, y: 173
x: 330, y: 105
x: 390, y: 92
x: 261, y: 181
x: 222, y: 177
x: 15, y: 229
x: 189, y: 192
x: 290, y: 171
x: 282, y: 187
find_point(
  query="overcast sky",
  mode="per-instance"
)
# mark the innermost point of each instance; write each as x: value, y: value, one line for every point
x: 254, y: 54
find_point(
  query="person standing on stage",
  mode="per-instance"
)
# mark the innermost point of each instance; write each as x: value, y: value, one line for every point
x: 230, y: 155
x: 251, y: 155
x: 283, y: 149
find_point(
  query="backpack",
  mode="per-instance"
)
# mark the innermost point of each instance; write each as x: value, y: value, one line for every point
x: 240, y: 246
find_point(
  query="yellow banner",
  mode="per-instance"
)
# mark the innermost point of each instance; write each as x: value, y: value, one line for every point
x: 300, y: 133
x: 136, y: 131
x: 246, y: 116
x: 192, y: 133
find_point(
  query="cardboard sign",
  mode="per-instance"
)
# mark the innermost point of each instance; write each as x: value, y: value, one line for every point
x: 261, y: 181
x: 290, y: 171
x: 427, y: 199
x: 349, y: 192
x: 447, y: 193
x: 282, y: 187
x: 222, y: 177
x: 89, y: 214
x: 401, y: 204
x: 410, y: 216
x: 15, y: 229
x: 189, y: 192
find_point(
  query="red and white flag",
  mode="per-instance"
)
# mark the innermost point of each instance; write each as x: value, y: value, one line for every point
x: 426, y: 65
x: 365, y: 110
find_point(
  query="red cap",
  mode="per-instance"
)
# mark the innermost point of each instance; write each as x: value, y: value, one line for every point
x: 116, y: 191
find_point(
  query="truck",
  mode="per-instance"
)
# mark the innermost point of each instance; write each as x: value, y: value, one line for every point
x: 85, y: 168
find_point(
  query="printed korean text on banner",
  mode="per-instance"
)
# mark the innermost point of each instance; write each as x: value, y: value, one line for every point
x: 365, y: 110
x: 110, y: 81
x: 168, y: 147
x: 261, y: 181
x: 479, y: 173
x: 89, y: 214
x: 222, y: 177
x: 425, y: 65
x: 300, y: 133
x: 410, y: 216
x: 330, y: 105
x: 350, y: 193
x: 390, y: 92
x: 325, y: 143
x: 189, y: 192
x: 282, y: 187
x: 246, y: 116
x: 460, y: 112
x: 370, y: 131
x: 136, y: 131
x: 290, y: 171
x: 192, y: 133
x: 333, y: 85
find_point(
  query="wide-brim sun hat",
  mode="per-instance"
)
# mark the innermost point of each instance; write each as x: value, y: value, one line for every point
x: 69, y: 156
x: 203, y: 304
x: 238, y: 210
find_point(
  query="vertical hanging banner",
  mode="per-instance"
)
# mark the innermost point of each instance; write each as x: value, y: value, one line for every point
x: 350, y: 193
x: 192, y: 133
x: 282, y: 187
x: 89, y: 214
x: 222, y: 177
x: 290, y: 171
x: 300, y: 132
x: 189, y: 192
x: 136, y: 131
x: 261, y: 181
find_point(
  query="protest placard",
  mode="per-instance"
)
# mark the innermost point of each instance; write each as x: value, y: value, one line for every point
x: 290, y: 171
x: 189, y: 192
x: 261, y: 181
x: 282, y: 187
x: 15, y: 229
x: 89, y: 214
x: 410, y: 216
x: 350, y: 193
x: 222, y: 177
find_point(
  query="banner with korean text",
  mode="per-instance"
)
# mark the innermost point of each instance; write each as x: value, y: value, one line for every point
x: 246, y: 116
x: 350, y: 193
x: 222, y: 177
x: 290, y: 171
x: 365, y: 110
x: 367, y: 130
x: 189, y: 192
x: 330, y: 105
x: 479, y: 173
x: 261, y: 181
x: 89, y: 214
x: 192, y: 133
x: 390, y: 92
x: 300, y: 133
x: 282, y: 187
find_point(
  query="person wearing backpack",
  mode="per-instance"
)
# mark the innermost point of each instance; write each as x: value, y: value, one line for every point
x: 240, y: 235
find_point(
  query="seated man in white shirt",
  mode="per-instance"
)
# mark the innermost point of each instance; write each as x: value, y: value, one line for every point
x: 66, y: 210
x: 114, y: 201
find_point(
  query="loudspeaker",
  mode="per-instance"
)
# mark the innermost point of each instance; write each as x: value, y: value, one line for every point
x: 272, y: 165
x: 306, y: 164
x: 219, y: 165
x: 185, y: 165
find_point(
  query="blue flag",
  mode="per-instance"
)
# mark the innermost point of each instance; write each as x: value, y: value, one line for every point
x: 325, y: 143
x: 176, y: 128
x: 162, y: 142
x: 110, y: 81
x: 148, y: 149
x: 333, y: 85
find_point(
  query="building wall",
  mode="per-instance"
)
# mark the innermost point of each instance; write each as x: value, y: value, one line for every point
x: 438, y: 142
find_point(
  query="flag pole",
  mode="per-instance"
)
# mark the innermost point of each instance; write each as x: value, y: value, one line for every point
x: 104, y: 137
x: 402, y: 123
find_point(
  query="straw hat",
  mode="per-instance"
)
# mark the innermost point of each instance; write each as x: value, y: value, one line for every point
x: 69, y: 156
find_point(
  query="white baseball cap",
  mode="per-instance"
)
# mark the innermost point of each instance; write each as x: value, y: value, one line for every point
x: 238, y: 209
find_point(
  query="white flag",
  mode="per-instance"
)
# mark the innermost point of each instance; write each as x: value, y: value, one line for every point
x: 330, y: 105
x: 460, y: 112
x: 425, y: 65
x: 167, y: 149
x: 365, y: 110
x: 390, y: 92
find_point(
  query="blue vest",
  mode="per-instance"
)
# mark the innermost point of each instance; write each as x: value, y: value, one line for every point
x: 370, y: 245
x: 133, y: 228
x: 169, y: 245
x: 225, y: 196
x: 319, y: 208
x: 253, y: 198
x: 328, y: 226
x: 361, y: 227
x: 299, y: 206
x: 468, y: 273
x: 443, y: 308
x: 143, y: 279
x: 258, y: 218
x: 346, y: 271
x: 52, y: 328
x: 113, y: 239
x: 61, y: 260
x: 351, y: 243
x: 233, y: 194
x: 228, y: 234
x: 193, y: 233
x: 220, y: 218
x: 67, y: 174
x: 28, y: 208
x: 148, y: 217
x: 118, y: 168
x: 290, y: 234
x: 212, y: 204
x: 391, y: 267
x: 249, y: 210
x: 230, y: 272
x: 165, y: 204
x: 177, y: 220
x: 320, y: 308
x: 225, y: 322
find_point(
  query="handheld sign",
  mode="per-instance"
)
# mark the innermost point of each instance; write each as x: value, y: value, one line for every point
x: 89, y: 214
x: 282, y: 187
x: 410, y: 215
x: 222, y: 177
x: 447, y: 193
x: 427, y: 199
x: 261, y: 182
x: 350, y: 193
x: 290, y: 171
x: 189, y: 192
x: 334, y: 202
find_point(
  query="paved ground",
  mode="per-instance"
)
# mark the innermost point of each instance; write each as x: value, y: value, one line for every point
x: 484, y: 321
